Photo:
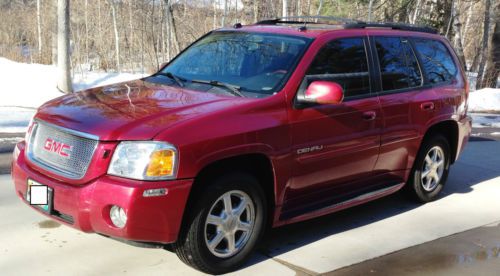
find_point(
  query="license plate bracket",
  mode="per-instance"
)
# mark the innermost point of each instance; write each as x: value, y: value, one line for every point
x: 46, y: 208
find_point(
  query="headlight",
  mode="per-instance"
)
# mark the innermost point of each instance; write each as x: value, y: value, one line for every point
x: 148, y: 160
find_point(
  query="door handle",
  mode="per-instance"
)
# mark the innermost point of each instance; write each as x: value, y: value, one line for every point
x: 369, y: 115
x: 427, y: 106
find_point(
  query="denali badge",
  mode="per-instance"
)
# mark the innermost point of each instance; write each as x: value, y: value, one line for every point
x: 60, y: 148
x: 310, y: 149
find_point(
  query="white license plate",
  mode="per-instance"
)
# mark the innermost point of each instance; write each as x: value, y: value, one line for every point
x: 39, y: 195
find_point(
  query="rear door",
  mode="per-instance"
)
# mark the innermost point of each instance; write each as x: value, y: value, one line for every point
x: 416, y: 80
x: 400, y: 81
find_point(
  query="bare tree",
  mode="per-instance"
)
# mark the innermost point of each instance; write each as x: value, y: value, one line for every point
x: 285, y: 8
x: 63, y: 55
x: 54, y: 30
x: 215, y: 14
x: 370, y: 9
x: 117, y: 37
x: 484, y: 50
x: 39, y: 28
x: 319, y: 7
x: 418, y: 7
x: 457, y: 41
x: 223, y: 21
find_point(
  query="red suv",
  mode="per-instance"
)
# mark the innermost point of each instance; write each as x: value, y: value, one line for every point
x: 251, y: 126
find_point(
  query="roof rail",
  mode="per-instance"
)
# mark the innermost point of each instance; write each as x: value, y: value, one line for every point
x: 391, y: 25
x: 307, y: 20
x: 345, y: 23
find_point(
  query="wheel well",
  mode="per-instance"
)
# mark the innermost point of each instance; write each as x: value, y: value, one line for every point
x: 449, y: 129
x: 258, y: 165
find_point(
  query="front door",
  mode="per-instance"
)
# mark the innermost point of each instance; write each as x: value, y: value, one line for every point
x: 335, y: 147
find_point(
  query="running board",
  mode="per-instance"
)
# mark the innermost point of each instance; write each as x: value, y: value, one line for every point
x: 355, y: 201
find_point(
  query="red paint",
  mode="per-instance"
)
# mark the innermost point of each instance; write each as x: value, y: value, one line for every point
x: 325, y: 92
x: 316, y: 153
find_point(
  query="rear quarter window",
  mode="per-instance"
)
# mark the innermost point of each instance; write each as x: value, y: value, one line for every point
x: 435, y: 60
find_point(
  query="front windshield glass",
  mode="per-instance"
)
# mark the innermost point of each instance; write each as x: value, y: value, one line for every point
x: 254, y: 63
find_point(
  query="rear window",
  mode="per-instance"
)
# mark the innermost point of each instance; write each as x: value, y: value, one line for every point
x: 398, y: 65
x: 435, y: 60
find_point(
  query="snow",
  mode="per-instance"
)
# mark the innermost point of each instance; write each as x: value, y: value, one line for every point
x: 15, y: 119
x: 485, y: 100
x: 27, y: 86
x: 481, y: 120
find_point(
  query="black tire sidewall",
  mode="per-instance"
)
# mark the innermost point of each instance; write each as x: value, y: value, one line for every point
x: 416, y: 183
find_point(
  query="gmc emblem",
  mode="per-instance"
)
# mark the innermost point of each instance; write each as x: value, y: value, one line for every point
x: 60, y: 148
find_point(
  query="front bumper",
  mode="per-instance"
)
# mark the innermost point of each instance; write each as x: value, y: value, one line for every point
x: 86, y: 207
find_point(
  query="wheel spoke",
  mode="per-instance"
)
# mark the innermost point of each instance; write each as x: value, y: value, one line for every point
x: 228, y: 206
x: 425, y: 173
x: 214, y: 220
x: 428, y: 160
x: 231, y: 245
x: 436, y: 178
x: 428, y: 183
x: 241, y: 207
x: 216, y: 240
x: 434, y: 155
x: 243, y: 226
x: 439, y: 163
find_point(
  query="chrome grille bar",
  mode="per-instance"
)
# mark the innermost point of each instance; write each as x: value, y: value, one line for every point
x: 63, y: 151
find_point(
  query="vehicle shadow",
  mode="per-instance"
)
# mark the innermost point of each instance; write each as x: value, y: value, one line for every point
x: 463, y: 176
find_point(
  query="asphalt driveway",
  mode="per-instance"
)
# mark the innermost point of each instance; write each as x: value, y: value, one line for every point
x: 31, y: 244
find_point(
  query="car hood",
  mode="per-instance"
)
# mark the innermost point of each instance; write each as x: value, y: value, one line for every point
x: 135, y: 110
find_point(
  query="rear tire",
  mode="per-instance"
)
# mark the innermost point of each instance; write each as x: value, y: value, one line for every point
x: 225, y: 224
x: 430, y: 170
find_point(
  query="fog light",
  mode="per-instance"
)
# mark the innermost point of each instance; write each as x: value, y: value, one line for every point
x: 118, y: 216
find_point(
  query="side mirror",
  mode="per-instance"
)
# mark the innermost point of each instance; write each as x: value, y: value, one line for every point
x: 324, y: 92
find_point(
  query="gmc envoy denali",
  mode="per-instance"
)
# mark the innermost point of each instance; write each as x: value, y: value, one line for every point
x: 251, y: 127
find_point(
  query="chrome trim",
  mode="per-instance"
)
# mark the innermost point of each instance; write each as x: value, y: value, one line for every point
x: 69, y: 131
x: 32, y: 159
x: 365, y: 196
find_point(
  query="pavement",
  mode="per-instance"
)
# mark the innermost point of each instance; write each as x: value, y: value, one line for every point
x: 351, y: 242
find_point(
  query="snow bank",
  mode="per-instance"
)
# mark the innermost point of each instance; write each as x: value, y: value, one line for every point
x: 485, y: 100
x: 480, y: 120
x: 24, y: 87
x: 15, y: 119
x: 31, y: 85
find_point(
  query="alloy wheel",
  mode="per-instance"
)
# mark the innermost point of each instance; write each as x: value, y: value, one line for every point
x: 229, y: 223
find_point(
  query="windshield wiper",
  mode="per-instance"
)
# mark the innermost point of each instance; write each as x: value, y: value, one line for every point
x: 178, y: 80
x: 234, y: 89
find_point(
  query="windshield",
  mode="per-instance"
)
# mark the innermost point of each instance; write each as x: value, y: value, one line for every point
x: 254, y: 63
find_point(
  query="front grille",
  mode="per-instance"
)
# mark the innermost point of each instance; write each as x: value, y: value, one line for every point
x: 45, y: 149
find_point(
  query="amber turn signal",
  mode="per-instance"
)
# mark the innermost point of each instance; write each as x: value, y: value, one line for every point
x: 161, y: 163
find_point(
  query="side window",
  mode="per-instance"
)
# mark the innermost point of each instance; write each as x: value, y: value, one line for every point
x: 398, y: 65
x: 435, y: 60
x: 342, y: 61
x: 414, y: 73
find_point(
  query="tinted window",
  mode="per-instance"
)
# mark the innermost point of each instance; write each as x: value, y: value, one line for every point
x: 398, y: 64
x: 435, y: 60
x: 342, y: 61
x: 414, y: 74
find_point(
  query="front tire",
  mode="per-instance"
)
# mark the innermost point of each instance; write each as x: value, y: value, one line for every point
x: 430, y: 169
x: 225, y: 224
